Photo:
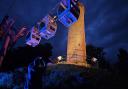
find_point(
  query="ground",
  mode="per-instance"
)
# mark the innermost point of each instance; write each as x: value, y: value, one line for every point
x: 66, y: 76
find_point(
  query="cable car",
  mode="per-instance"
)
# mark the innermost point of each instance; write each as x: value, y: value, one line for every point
x: 33, y: 37
x: 47, y: 27
x: 68, y: 12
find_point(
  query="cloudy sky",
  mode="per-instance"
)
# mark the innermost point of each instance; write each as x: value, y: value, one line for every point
x: 106, y: 22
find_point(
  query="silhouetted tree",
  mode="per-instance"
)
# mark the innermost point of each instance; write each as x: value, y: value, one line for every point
x: 93, y: 51
x: 122, y: 55
x: 22, y: 56
x: 97, y: 52
x: 122, y: 60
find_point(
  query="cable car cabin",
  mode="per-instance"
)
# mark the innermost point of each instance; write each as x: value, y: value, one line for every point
x: 33, y: 37
x: 47, y: 27
x: 68, y: 13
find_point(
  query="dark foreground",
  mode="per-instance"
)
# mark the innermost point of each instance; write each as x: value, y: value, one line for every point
x: 64, y: 76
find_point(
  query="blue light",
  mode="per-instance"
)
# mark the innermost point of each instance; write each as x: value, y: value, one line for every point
x: 67, y: 16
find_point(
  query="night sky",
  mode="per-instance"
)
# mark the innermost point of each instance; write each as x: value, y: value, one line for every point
x: 106, y: 22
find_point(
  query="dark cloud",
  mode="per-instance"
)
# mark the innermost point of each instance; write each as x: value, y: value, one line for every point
x: 106, y: 25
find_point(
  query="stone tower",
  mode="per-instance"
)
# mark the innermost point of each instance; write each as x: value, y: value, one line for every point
x: 76, y: 48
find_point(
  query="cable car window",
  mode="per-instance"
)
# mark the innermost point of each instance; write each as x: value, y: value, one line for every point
x: 52, y: 28
x: 37, y: 38
x: 33, y: 36
x: 75, y: 11
x: 71, y: 19
x: 42, y: 24
x: 61, y: 9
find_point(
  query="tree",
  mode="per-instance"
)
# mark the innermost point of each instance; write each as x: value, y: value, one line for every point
x: 97, y: 52
x: 122, y: 59
x: 122, y: 55
x: 22, y: 56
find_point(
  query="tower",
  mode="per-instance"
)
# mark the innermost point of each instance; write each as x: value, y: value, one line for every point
x: 76, y: 47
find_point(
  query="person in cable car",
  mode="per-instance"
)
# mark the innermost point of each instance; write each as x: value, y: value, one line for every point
x: 33, y: 37
x: 47, y: 27
x: 68, y: 12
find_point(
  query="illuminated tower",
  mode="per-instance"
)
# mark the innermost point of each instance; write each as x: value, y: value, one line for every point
x: 76, y: 48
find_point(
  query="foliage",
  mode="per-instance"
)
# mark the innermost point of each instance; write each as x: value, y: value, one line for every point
x: 71, y: 76
x: 6, y: 80
x: 22, y: 56
x: 97, y: 52
x: 123, y: 61
x: 122, y: 55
